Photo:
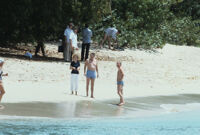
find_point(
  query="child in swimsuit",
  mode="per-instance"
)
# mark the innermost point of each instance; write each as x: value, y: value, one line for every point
x: 75, y: 67
x: 2, y: 91
x: 120, y: 83
x: 91, y: 74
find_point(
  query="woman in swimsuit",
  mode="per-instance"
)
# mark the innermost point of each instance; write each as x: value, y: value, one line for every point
x: 91, y: 74
x: 2, y: 91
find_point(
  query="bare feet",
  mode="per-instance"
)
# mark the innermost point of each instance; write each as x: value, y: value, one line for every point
x: 120, y: 104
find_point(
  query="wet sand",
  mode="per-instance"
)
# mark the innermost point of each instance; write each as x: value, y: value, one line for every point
x: 134, y: 107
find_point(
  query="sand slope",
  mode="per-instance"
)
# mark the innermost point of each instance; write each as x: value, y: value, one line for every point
x: 171, y: 70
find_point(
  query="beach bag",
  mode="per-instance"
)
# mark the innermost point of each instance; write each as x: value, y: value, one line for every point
x: 61, y: 46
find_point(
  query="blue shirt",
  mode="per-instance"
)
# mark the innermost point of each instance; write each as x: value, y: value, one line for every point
x: 87, y: 34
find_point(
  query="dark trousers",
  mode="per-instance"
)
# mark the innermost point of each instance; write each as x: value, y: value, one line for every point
x: 40, y: 45
x: 84, y: 56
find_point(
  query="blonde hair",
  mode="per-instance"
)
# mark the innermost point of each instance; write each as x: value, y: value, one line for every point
x: 75, y: 55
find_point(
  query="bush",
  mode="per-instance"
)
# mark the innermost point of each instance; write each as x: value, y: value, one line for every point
x: 181, y: 31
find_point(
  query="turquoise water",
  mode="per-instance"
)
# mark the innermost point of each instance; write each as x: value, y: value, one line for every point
x: 159, y: 115
x: 182, y: 123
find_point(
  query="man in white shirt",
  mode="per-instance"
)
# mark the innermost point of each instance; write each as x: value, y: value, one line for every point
x: 110, y: 33
x: 87, y: 34
x: 67, y: 47
x: 73, y: 42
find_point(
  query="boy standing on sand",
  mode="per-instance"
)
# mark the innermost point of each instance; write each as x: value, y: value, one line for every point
x: 91, y: 74
x: 120, y: 83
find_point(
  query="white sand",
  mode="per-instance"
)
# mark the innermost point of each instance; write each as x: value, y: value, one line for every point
x: 172, y: 70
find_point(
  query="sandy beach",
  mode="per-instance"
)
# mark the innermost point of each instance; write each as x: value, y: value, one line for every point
x: 170, y: 71
x: 161, y: 90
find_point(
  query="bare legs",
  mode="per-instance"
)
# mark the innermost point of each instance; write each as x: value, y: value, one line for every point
x: 92, y: 87
x: 120, y: 93
x: 104, y: 39
x: 2, y: 91
x: 87, y: 86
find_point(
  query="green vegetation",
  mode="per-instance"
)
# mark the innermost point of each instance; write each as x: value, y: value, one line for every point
x: 144, y: 23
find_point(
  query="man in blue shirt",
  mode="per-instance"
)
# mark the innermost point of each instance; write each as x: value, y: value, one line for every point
x: 87, y: 34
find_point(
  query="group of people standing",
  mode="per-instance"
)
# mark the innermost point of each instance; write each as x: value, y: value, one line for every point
x: 70, y: 49
x: 71, y: 43
x: 91, y: 64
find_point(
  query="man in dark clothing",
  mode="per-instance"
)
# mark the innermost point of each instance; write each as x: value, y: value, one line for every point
x: 87, y: 34
x: 40, y: 44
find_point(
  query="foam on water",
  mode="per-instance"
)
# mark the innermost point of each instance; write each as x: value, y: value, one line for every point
x: 180, y: 107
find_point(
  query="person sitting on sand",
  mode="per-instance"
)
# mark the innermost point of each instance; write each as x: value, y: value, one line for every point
x: 75, y: 67
x: 91, y: 74
x: 110, y: 33
x: 120, y: 83
x: 2, y: 91
x: 73, y: 41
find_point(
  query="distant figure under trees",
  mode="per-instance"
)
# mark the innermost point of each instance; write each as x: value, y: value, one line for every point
x: 110, y: 33
x: 87, y: 34
x: 40, y: 44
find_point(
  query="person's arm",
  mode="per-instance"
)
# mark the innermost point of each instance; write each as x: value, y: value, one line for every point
x: 78, y: 68
x: 85, y: 67
x: 122, y: 72
x: 97, y: 70
x: 70, y: 40
x: 71, y: 67
x: 5, y: 74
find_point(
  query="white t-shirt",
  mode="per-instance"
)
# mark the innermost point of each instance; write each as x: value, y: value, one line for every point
x: 73, y: 37
x: 67, y: 33
x: 111, y: 32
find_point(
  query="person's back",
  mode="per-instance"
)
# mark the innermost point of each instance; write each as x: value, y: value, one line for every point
x: 87, y: 34
x: 112, y: 32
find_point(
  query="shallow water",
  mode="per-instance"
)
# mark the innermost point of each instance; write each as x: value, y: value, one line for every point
x: 185, y: 123
x: 160, y: 115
